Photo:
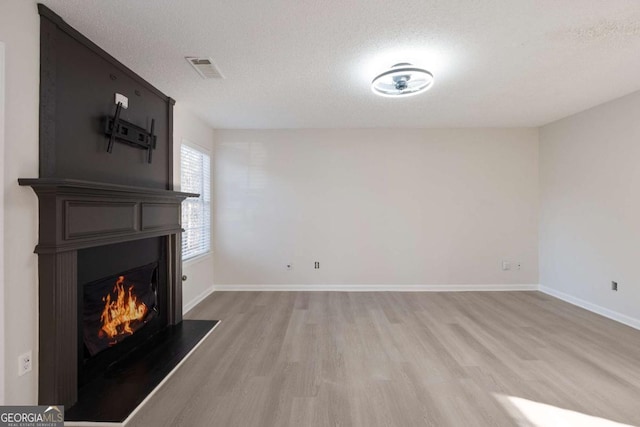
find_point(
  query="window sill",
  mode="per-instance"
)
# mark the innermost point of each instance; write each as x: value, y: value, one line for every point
x: 197, y: 259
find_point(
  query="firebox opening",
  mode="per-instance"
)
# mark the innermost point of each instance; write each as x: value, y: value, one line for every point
x: 122, y: 302
x: 116, y: 307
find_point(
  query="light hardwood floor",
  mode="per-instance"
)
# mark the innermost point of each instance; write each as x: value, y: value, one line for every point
x: 401, y: 359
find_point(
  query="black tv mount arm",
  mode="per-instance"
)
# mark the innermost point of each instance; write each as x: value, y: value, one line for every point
x: 119, y: 130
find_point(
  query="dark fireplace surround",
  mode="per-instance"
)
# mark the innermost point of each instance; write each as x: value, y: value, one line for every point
x: 105, y: 210
x: 74, y: 217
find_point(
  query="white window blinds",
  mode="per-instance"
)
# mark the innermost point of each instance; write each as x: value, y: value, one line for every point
x: 195, y: 177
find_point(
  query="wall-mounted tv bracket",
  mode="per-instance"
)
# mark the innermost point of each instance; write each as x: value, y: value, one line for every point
x: 127, y: 133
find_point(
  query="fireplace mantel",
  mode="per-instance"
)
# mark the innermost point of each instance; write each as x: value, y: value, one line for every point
x: 78, y: 214
x: 43, y: 183
x: 75, y: 215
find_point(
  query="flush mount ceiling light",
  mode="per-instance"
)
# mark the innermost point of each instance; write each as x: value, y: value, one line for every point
x: 401, y: 80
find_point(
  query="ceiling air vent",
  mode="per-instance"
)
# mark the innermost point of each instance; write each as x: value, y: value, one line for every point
x: 204, y: 67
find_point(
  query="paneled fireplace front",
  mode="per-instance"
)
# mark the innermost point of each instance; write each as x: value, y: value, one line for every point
x: 91, y: 235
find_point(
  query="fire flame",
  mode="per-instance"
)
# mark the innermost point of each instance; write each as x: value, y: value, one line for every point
x: 118, y: 315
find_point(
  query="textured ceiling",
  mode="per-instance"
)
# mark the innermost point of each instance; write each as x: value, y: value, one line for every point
x: 309, y: 63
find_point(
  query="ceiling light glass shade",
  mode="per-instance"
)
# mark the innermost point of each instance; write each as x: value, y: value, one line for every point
x: 402, y: 80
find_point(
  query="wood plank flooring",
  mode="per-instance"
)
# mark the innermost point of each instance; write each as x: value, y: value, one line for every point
x: 402, y: 359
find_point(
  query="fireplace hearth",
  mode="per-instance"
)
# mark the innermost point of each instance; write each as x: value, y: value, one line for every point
x: 126, y: 383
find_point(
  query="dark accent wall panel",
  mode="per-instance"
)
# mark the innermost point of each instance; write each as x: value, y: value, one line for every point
x: 89, y: 198
x: 77, y: 92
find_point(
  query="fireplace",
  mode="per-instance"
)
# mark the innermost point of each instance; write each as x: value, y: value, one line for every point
x: 110, y: 296
x: 109, y: 244
x: 91, y: 235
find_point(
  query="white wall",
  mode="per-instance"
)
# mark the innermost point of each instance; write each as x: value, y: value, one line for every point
x: 191, y: 130
x: 19, y: 30
x: 590, y: 208
x: 2, y: 225
x: 438, y: 207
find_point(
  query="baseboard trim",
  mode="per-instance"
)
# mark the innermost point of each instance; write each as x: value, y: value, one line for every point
x: 610, y: 314
x: 374, y: 288
x: 198, y: 299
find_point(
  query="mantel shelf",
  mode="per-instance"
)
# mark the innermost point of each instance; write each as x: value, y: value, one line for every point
x: 76, y: 214
x: 60, y: 183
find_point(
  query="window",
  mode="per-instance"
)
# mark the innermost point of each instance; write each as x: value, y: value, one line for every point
x: 195, y: 177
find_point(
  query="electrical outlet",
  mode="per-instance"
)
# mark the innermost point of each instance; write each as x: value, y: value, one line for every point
x: 24, y: 363
x: 120, y: 98
x: 316, y: 265
x: 614, y: 286
x: 506, y: 265
x: 289, y: 267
